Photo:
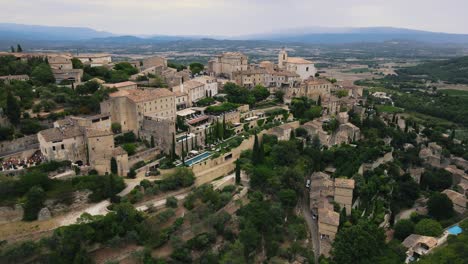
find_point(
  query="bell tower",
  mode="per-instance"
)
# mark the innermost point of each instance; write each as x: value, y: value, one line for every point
x: 282, y: 58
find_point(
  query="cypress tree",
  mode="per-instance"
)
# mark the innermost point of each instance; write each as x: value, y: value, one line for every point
x: 186, y: 143
x: 13, y: 110
x: 183, y: 153
x: 18, y: 48
x: 173, y: 148
x: 113, y: 166
x: 12, y: 49
x: 255, y: 151
x: 152, y: 141
x: 292, y: 135
x: 319, y: 101
x: 238, y: 172
x: 343, y: 217
x: 224, y: 126
x: 206, y: 138
x: 452, y: 135
x: 261, y: 152
x: 193, y: 144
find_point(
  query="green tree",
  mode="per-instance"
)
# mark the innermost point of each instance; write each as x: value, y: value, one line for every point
x: 131, y: 174
x: 196, y: 67
x: 116, y: 128
x: 260, y: 93
x: 34, y: 202
x: 428, y: 227
x: 255, y: 151
x: 440, y: 206
x: 13, y: 110
x: 12, y: 49
x: 238, y: 172
x: 113, y: 166
x: 173, y: 148
x: 42, y: 74
x: 152, y: 144
x: 77, y: 64
x: 288, y: 198
x: 19, y: 48
x: 171, y: 202
x: 360, y: 243
x: 279, y: 95
x: 319, y: 101
x: 403, y: 229
x: 234, y: 254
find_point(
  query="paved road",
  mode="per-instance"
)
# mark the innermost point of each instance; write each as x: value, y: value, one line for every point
x: 312, y: 224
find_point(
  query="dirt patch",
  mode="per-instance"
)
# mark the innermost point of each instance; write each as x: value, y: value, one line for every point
x: 17, y: 231
x: 118, y: 253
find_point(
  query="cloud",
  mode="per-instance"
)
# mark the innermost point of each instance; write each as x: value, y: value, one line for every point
x: 235, y: 17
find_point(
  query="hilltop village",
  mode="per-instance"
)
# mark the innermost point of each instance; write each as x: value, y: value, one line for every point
x: 148, y: 161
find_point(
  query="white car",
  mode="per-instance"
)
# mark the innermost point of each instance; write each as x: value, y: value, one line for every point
x: 308, y: 184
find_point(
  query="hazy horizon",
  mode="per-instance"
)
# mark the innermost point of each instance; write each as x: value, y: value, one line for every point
x: 236, y: 18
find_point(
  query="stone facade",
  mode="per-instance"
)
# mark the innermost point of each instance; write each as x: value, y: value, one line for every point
x: 161, y: 129
x: 228, y: 63
x: 83, y: 141
x: 302, y: 67
x: 94, y: 59
x: 129, y: 107
x: 121, y: 85
x: 312, y: 88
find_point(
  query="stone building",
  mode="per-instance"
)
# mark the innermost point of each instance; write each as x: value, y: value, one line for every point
x: 211, y: 84
x: 149, y: 62
x: 312, y: 88
x: 94, y: 59
x: 304, y: 68
x: 252, y: 77
x: 344, y: 193
x: 174, y: 78
x: 60, y: 62
x: 459, y: 200
x: 9, y: 78
x: 418, y: 245
x: 128, y: 107
x: 160, y: 130
x: 431, y: 155
x: 83, y: 141
x: 72, y: 75
x: 121, y: 85
x: 328, y: 222
x: 195, y: 91
x: 228, y: 63
x: 149, y: 113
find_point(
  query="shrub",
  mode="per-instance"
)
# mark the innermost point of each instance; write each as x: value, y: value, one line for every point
x: 34, y: 201
x: 428, y: 227
x: 403, y: 228
x: 130, y: 148
x: 171, y: 202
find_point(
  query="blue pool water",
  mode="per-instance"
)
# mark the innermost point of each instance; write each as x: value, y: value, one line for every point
x: 197, y: 159
x: 455, y: 230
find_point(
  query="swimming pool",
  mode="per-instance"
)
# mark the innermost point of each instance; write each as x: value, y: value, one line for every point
x: 197, y: 159
x: 455, y: 230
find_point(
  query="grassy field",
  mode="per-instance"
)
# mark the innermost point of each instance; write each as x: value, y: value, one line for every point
x: 430, y: 119
x: 358, y: 70
x: 389, y: 109
x: 452, y: 92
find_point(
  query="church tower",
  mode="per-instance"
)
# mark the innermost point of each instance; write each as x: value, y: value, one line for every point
x: 282, y: 58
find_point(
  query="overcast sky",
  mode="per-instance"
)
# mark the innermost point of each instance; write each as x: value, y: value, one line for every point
x: 236, y: 17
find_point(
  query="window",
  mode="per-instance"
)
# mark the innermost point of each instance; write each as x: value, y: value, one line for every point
x: 63, y: 146
x: 53, y: 148
x: 307, y: 69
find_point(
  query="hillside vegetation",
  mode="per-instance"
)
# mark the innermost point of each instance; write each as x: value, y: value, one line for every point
x: 451, y: 71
